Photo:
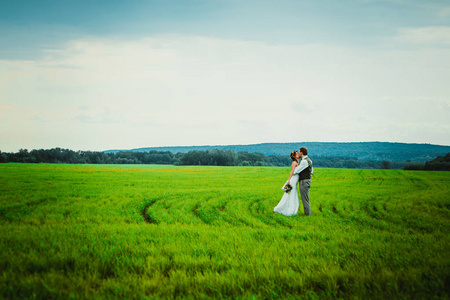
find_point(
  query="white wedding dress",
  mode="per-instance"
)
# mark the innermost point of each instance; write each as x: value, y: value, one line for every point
x: 288, y: 205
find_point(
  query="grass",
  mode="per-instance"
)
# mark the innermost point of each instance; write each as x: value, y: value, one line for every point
x: 149, y: 232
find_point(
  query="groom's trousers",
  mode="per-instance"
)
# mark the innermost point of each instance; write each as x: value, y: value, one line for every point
x: 304, y: 186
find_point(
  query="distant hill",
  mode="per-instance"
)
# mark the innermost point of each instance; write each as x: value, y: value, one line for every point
x: 368, y: 151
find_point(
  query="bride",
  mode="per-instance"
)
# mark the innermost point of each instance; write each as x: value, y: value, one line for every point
x: 288, y: 204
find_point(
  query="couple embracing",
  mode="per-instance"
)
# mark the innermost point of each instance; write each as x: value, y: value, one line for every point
x: 301, y: 172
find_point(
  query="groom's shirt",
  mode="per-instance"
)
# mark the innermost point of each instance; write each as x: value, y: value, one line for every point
x: 303, y: 165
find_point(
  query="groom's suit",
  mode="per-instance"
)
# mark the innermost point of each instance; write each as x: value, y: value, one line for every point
x: 304, y: 171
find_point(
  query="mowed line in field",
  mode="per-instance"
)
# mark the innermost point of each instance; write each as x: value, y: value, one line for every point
x: 331, y: 196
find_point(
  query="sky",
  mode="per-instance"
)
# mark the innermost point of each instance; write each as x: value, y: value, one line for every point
x: 100, y: 75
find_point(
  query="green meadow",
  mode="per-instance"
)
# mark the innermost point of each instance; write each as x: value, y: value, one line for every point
x: 151, y: 232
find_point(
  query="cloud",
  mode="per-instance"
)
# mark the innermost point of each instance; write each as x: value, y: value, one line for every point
x: 302, y: 106
x: 6, y: 110
x: 444, y: 12
x: 194, y: 90
x: 104, y: 116
x: 438, y: 35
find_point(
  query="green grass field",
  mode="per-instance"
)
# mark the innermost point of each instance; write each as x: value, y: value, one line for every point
x: 135, y: 231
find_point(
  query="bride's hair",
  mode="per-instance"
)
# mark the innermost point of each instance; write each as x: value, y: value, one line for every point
x: 293, y: 153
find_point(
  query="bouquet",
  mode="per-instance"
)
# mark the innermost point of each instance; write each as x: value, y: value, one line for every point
x: 287, y: 188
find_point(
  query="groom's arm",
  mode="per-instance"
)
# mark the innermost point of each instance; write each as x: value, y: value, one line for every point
x: 303, y: 165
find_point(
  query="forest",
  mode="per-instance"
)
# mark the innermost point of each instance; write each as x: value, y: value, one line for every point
x: 214, y: 157
x: 440, y: 163
x: 363, y: 151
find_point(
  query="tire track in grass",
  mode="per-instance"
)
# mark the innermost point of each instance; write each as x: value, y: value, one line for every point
x: 20, y: 210
x: 255, y: 207
x: 199, y: 214
x: 212, y: 209
x: 162, y: 209
x: 203, y: 209
x: 282, y: 223
x: 195, y: 212
x: 147, y: 217
x: 334, y: 209
x: 210, y: 213
x: 256, y: 214
x: 227, y: 215
x: 238, y: 217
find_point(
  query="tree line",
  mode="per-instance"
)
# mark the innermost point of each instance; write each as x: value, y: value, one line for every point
x: 210, y: 157
x: 58, y: 155
x: 215, y: 157
x: 363, y: 151
x: 440, y: 163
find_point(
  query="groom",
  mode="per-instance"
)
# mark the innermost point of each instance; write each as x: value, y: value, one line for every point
x: 304, y: 170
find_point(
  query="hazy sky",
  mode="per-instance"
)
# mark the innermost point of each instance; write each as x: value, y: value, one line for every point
x: 99, y: 75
